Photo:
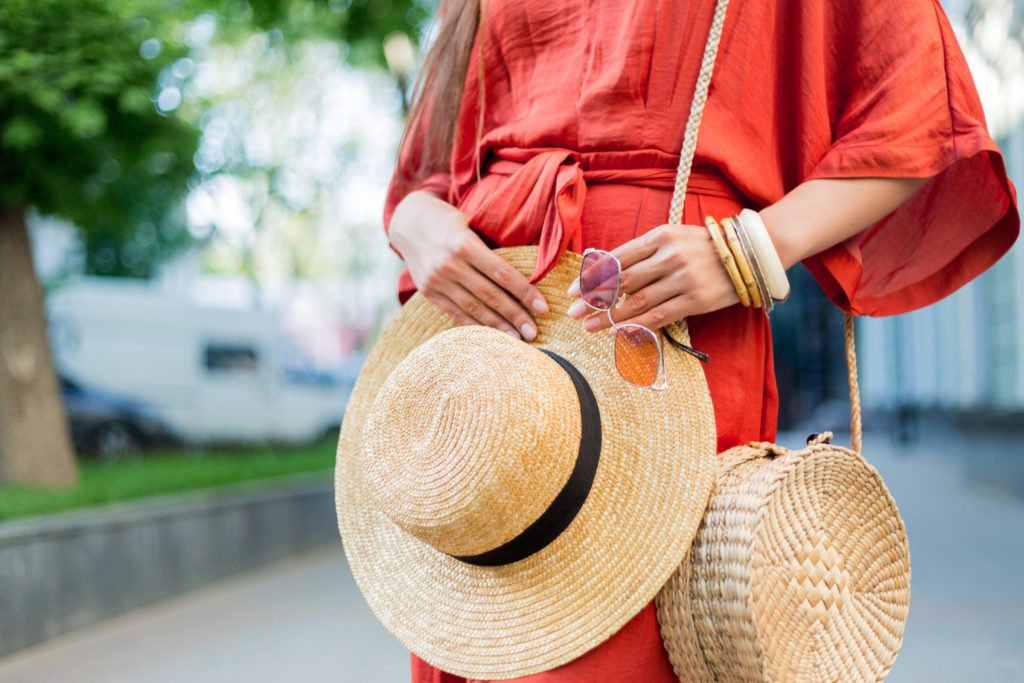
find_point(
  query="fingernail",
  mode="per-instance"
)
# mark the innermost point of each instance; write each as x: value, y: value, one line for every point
x: 578, y: 309
x: 540, y: 306
x: 591, y: 324
x: 574, y: 288
x: 529, y: 331
x: 513, y: 334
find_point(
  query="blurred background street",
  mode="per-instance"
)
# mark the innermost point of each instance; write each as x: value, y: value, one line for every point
x: 303, y: 619
x: 193, y: 268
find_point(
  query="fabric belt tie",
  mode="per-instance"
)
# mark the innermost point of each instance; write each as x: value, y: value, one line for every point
x: 541, y: 201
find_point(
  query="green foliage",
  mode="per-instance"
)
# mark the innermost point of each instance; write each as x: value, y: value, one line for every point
x: 79, y: 136
x: 155, y: 474
x: 360, y: 24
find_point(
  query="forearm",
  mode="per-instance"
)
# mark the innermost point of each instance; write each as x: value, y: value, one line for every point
x: 823, y: 212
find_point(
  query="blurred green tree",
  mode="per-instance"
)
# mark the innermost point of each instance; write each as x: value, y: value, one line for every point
x: 81, y: 139
x: 361, y: 24
x: 85, y: 135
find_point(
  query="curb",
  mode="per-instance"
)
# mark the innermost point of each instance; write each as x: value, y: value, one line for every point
x: 63, y: 571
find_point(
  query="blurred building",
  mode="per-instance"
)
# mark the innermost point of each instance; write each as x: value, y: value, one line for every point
x: 962, y: 357
x: 964, y: 354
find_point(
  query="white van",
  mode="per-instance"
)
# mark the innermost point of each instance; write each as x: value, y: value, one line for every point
x: 215, y: 374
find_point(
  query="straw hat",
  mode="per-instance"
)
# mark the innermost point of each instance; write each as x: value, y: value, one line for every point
x: 570, y: 495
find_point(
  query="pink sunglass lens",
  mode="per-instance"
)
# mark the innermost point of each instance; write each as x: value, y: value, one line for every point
x: 599, y: 280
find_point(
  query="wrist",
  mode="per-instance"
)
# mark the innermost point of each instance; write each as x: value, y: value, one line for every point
x: 420, y: 208
x: 789, y: 253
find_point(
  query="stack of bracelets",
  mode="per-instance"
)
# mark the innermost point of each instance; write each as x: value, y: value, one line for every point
x: 747, y: 252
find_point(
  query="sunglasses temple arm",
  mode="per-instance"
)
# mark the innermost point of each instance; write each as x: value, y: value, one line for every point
x: 699, y: 355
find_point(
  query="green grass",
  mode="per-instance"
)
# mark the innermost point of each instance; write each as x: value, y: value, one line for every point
x: 157, y: 473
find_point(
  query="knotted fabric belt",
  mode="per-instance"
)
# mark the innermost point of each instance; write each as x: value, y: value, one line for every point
x: 541, y: 201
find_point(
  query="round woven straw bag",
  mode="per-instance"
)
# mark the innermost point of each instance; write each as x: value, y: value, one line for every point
x: 800, y: 570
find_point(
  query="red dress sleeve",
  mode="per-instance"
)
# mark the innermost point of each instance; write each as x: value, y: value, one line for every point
x: 905, y: 105
x: 403, y: 179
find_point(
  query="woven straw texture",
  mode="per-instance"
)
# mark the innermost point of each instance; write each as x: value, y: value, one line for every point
x: 800, y: 572
x: 428, y: 452
x: 652, y: 486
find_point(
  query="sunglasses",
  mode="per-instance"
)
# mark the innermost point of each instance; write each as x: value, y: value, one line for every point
x: 639, y: 357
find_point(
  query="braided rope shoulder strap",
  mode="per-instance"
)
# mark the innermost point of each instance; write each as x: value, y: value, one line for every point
x: 689, y: 148
x: 851, y: 377
x: 675, y: 214
x: 700, y: 97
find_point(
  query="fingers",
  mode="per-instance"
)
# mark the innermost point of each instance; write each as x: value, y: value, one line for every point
x: 449, y: 307
x: 641, y: 275
x: 476, y: 286
x: 466, y: 309
x: 482, y: 314
x: 690, y: 294
x: 635, y: 283
x: 513, y: 317
x: 642, y: 247
x: 443, y: 289
x: 665, y: 313
x: 503, y: 274
x: 638, y: 250
x: 700, y: 288
x: 639, y: 302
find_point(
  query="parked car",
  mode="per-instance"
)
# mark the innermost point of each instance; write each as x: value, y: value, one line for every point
x: 216, y: 374
x: 108, y: 426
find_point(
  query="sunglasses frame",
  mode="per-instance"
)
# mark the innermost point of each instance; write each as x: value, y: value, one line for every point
x: 616, y: 328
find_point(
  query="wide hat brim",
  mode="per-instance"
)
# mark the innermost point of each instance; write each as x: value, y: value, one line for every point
x: 652, y: 486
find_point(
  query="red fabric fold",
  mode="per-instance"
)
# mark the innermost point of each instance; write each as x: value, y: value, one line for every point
x: 539, y: 203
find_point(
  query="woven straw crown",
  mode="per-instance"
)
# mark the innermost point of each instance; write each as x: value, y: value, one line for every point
x: 465, y: 456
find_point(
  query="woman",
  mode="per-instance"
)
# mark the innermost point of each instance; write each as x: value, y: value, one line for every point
x: 852, y: 125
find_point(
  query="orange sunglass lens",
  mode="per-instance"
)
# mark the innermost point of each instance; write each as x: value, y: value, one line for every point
x: 636, y: 355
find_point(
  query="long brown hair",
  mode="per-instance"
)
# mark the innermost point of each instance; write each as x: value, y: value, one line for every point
x: 438, y: 90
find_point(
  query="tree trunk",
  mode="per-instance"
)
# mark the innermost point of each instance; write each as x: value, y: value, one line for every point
x: 35, y: 445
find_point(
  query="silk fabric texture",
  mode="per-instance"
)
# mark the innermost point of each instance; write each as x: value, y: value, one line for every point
x: 585, y: 108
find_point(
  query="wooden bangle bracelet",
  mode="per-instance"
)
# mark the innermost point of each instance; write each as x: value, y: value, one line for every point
x: 755, y: 265
x: 764, y: 248
x: 715, y: 230
x: 741, y: 262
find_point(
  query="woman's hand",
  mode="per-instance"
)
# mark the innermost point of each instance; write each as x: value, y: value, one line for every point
x: 669, y: 273
x: 452, y: 267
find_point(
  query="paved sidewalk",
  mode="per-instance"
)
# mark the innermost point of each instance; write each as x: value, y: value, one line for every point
x: 303, y: 619
x: 299, y: 620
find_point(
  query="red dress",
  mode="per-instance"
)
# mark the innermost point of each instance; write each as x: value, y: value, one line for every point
x: 585, y: 108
